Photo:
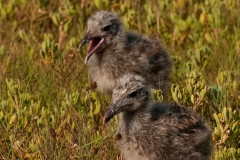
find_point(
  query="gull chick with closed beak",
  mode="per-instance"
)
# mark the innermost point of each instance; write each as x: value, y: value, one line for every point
x: 155, y: 131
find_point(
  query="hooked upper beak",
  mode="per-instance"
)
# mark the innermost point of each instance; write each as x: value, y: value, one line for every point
x: 111, y: 112
x: 116, y: 108
x: 85, y: 40
x: 95, y: 42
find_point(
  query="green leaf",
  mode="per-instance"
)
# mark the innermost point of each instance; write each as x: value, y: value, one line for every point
x: 97, y: 108
x: 235, y: 125
x: 216, y: 118
x: 202, y: 93
x: 208, y: 37
x: 97, y: 3
x: 13, y: 118
x: 94, y: 95
x: 55, y: 18
x: 235, y: 85
x: 192, y: 99
x: 2, y: 50
x: 174, y: 96
x: 189, y: 88
x: 1, y: 115
x: 225, y: 114
x: 33, y: 147
x: 44, y: 46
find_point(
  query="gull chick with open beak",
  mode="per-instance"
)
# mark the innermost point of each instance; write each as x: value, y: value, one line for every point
x: 113, y: 52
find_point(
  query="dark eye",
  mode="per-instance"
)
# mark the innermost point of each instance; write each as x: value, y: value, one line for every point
x: 106, y: 28
x: 133, y: 94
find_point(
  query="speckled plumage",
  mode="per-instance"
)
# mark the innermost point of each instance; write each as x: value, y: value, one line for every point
x: 156, y: 131
x: 124, y: 52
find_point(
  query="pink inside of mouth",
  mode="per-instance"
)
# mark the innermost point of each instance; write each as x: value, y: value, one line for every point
x: 94, y: 44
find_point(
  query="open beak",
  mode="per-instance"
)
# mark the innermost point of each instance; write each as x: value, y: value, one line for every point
x: 95, y: 43
x: 115, y: 108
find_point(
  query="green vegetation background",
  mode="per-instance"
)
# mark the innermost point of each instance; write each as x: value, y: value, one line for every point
x: 47, y: 110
